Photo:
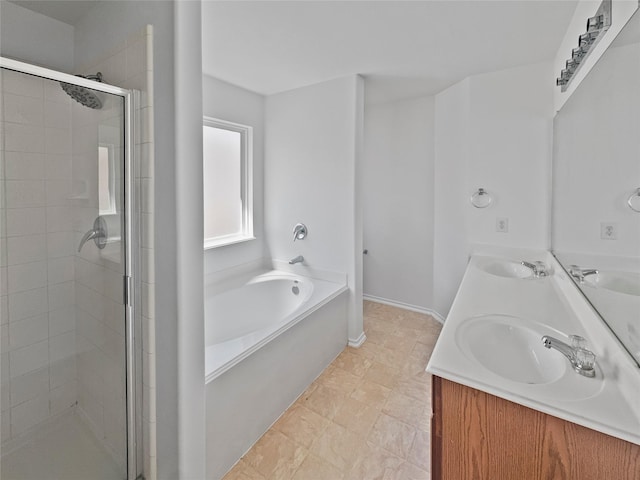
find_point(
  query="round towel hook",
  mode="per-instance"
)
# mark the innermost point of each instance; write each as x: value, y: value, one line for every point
x: 481, y: 198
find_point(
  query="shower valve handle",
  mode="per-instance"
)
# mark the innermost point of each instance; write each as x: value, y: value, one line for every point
x: 98, y: 234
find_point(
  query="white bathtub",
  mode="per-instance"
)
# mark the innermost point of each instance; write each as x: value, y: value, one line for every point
x: 264, y: 345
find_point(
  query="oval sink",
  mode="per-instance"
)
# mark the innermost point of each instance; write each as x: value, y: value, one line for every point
x: 620, y: 282
x: 504, y: 268
x: 503, y: 345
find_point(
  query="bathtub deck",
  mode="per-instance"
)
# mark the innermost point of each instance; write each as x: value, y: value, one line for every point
x: 367, y: 416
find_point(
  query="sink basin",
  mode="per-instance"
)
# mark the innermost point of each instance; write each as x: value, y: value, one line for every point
x: 508, y: 347
x: 620, y: 282
x: 504, y: 268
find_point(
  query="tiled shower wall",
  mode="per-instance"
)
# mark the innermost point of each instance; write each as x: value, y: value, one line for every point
x: 37, y: 255
x: 130, y: 65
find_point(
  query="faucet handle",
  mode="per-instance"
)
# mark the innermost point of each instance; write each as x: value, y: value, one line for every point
x: 299, y: 232
x: 577, y: 341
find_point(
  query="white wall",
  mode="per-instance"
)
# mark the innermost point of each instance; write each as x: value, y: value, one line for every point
x: 397, y: 184
x: 35, y: 38
x: 106, y: 26
x: 492, y: 131
x: 311, y: 150
x: 227, y: 102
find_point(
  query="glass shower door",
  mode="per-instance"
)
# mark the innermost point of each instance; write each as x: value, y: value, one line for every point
x: 64, y: 321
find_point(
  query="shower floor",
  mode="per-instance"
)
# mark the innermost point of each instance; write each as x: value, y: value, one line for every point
x: 68, y: 451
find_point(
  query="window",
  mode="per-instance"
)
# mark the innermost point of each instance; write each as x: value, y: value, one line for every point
x: 228, y: 185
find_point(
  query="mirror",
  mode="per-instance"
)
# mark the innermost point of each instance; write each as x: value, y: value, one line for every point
x: 596, y: 176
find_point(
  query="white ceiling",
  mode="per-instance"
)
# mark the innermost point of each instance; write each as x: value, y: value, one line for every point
x: 67, y: 11
x: 403, y: 48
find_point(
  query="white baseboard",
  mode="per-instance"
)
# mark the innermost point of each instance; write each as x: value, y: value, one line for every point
x: 405, y: 306
x: 358, y: 341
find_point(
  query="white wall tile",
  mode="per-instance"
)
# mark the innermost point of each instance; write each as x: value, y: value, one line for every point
x: 28, y: 331
x: 63, y: 397
x: 4, y: 338
x: 28, y: 414
x: 90, y: 301
x: 27, y: 276
x: 62, y: 372
x: 20, y: 84
x: 61, y: 295
x: 5, y: 425
x: 29, y: 385
x: 61, y: 244
x: 60, y: 218
x: 23, y: 110
x: 25, y: 193
x: 62, y: 346
x: 57, y: 140
x: 29, y: 358
x: 23, y: 138
x: 24, y: 166
x: 4, y: 288
x: 4, y: 309
x: 60, y: 269
x: 53, y: 93
x: 27, y: 304
x: 25, y: 221
x: 57, y: 166
x: 25, y: 249
x: 57, y: 114
x: 62, y: 320
x: 58, y: 192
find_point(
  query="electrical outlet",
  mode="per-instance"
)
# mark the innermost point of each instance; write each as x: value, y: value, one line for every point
x: 502, y: 224
x: 609, y: 231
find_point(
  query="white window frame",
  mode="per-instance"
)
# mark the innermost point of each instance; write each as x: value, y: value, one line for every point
x: 246, y: 182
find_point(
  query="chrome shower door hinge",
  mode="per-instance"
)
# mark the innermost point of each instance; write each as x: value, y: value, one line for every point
x: 126, y: 290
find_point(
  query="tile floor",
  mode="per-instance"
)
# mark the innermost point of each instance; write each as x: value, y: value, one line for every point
x: 367, y: 416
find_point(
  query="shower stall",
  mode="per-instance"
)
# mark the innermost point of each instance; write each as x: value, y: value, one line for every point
x: 70, y: 353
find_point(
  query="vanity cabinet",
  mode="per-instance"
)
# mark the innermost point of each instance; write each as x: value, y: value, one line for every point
x: 475, y: 435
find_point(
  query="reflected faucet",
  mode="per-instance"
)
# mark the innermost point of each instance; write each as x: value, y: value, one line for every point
x: 581, y: 359
x: 298, y: 259
x: 579, y: 273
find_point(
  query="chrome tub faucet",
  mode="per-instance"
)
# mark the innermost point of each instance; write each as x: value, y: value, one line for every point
x: 298, y: 259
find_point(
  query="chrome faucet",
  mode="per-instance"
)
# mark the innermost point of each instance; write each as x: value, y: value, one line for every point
x: 538, y: 268
x: 98, y: 234
x: 581, y: 359
x: 579, y: 273
x: 298, y: 259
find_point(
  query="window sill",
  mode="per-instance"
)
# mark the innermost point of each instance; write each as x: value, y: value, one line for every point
x: 227, y: 240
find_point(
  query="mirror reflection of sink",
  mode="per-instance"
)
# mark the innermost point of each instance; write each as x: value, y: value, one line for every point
x: 620, y: 282
x: 504, y: 268
x: 508, y: 348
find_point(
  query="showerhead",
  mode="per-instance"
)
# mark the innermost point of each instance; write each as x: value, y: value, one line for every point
x: 83, y: 95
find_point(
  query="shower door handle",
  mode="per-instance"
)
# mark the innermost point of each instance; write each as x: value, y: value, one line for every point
x: 98, y: 234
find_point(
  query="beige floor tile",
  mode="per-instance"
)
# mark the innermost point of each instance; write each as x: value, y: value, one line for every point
x: 301, y: 425
x: 315, y: 468
x: 419, y: 390
x: 383, y: 374
x: 420, y: 453
x: 275, y: 456
x: 368, y: 350
x: 404, y: 408
x: 373, y: 463
x: 340, y: 380
x: 392, y: 435
x: 353, y: 363
x: 356, y: 416
x: 393, y: 358
x: 371, y: 393
x: 400, y: 343
x: 242, y: 471
x: 411, y: 472
x: 325, y: 401
x: 338, y: 446
x: 376, y: 336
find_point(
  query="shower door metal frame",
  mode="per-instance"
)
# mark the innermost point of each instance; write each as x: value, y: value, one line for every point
x: 133, y: 343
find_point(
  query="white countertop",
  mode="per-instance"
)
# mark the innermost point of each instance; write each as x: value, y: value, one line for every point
x: 609, y: 403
